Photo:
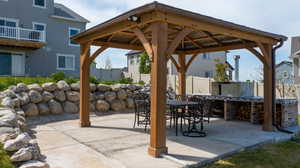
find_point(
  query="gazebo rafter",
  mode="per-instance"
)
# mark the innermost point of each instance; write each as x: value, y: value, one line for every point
x: 164, y: 32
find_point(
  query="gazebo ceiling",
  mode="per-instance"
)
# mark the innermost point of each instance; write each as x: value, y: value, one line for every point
x: 207, y: 34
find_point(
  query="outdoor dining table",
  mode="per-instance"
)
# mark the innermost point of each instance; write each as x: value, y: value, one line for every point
x: 192, y: 131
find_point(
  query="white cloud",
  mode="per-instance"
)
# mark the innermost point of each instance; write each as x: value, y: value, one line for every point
x: 275, y: 16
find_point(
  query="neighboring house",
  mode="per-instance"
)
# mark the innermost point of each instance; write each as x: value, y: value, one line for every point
x: 107, y: 74
x: 284, y: 72
x: 202, y: 66
x: 34, y: 38
x: 295, y: 56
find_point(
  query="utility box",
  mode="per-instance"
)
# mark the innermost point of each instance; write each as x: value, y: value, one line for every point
x: 233, y: 89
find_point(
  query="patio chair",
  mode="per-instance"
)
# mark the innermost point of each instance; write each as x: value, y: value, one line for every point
x: 142, y: 110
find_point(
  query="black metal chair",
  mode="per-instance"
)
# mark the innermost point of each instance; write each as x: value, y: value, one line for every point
x: 142, y: 110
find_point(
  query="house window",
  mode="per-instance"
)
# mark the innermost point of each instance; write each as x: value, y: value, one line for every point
x: 39, y: 3
x: 8, y: 22
x: 65, y: 62
x: 72, y: 32
x: 39, y: 27
x: 205, y: 56
x: 208, y: 74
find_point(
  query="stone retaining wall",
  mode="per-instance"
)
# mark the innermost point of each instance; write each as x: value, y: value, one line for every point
x: 60, y: 97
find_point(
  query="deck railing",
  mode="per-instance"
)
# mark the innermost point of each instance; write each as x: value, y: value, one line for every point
x: 18, y: 33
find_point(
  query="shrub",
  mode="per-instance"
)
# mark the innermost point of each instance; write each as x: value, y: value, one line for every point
x: 57, y: 76
x: 94, y: 80
x: 126, y: 81
x: 141, y: 82
x: 71, y: 80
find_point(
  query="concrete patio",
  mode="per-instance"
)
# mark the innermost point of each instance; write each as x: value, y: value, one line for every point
x: 112, y: 142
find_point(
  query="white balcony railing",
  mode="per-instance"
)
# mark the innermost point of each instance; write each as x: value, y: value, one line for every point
x: 18, y: 33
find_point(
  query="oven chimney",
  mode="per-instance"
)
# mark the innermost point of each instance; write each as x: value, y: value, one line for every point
x: 237, y: 67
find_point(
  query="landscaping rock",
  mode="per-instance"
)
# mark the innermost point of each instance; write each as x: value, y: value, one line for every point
x: 43, y: 108
x: 34, y: 164
x: 93, y: 87
x: 7, y: 136
x: 10, y: 102
x: 70, y: 107
x: 118, y: 105
x: 35, y: 96
x: 122, y: 95
x: 92, y: 107
x: 21, y: 87
x: 20, y: 112
x: 47, y: 96
x: 12, y: 88
x: 72, y: 96
x: 60, y: 95
x: 55, y: 107
x: 34, y: 148
x: 92, y: 97
x: 103, y: 87
x: 132, y: 87
x: 102, y: 105
x: 130, y: 103
x: 7, y: 130
x: 63, y: 85
x: 99, y: 96
x: 35, y: 87
x: 30, y: 109
x: 110, y: 96
x: 50, y: 86
x: 8, y: 118
x: 21, y: 141
x: 23, y: 97
x: 21, y: 155
x: 75, y: 86
x: 8, y: 93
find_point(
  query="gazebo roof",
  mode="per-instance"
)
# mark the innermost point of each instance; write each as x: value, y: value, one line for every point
x: 209, y: 34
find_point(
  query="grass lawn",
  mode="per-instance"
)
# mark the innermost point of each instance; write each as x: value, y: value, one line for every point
x: 281, y: 155
x: 4, y: 159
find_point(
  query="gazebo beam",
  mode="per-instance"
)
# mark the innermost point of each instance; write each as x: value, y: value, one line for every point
x: 158, y: 89
x: 85, y: 62
x: 182, y: 75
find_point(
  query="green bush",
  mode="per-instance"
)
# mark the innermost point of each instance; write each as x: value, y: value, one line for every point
x: 94, y: 80
x: 126, y: 81
x: 57, y: 76
x: 71, y: 80
x: 141, y: 82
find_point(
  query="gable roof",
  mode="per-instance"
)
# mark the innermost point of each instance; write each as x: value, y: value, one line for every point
x: 63, y: 12
x: 284, y: 62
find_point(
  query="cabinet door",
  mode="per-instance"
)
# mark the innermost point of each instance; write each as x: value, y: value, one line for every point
x: 5, y: 64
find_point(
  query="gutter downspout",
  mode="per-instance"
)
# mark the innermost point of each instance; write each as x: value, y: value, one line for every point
x: 274, y: 90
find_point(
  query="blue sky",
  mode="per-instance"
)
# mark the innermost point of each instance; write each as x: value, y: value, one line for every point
x: 277, y: 16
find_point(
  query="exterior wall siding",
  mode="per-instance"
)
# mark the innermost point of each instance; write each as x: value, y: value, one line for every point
x: 43, y: 62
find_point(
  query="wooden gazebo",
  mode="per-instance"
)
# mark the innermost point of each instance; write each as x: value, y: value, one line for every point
x: 164, y: 32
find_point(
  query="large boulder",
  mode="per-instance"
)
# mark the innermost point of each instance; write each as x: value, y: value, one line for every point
x: 117, y: 87
x: 47, y: 96
x: 131, y: 87
x: 35, y: 96
x: 10, y: 102
x: 21, y: 155
x: 55, y: 107
x: 122, y: 95
x: 60, y: 95
x: 7, y: 130
x: 110, y: 96
x: 63, y: 85
x: 118, y: 105
x: 34, y: 148
x: 43, y: 108
x: 19, y: 142
x: 21, y: 87
x: 30, y: 109
x: 34, y: 164
x: 8, y: 118
x: 93, y: 87
x: 99, y: 96
x: 103, y: 88
x: 92, y: 97
x: 8, y: 93
x: 75, y: 86
x: 130, y: 103
x: 92, y: 107
x: 49, y: 86
x: 23, y: 97
x: 35, y: 87
x: 72, y: 96
x: 102, y: 105
x: 70, y: 107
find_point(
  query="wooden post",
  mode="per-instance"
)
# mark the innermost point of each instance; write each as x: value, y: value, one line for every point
x: 158, y: 89
x: 182, y: 75
x: 269, y: 88
x: 84, y: 85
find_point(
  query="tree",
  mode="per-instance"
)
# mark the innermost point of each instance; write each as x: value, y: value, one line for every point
x: 221, y: 75
x: 145, y: 66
